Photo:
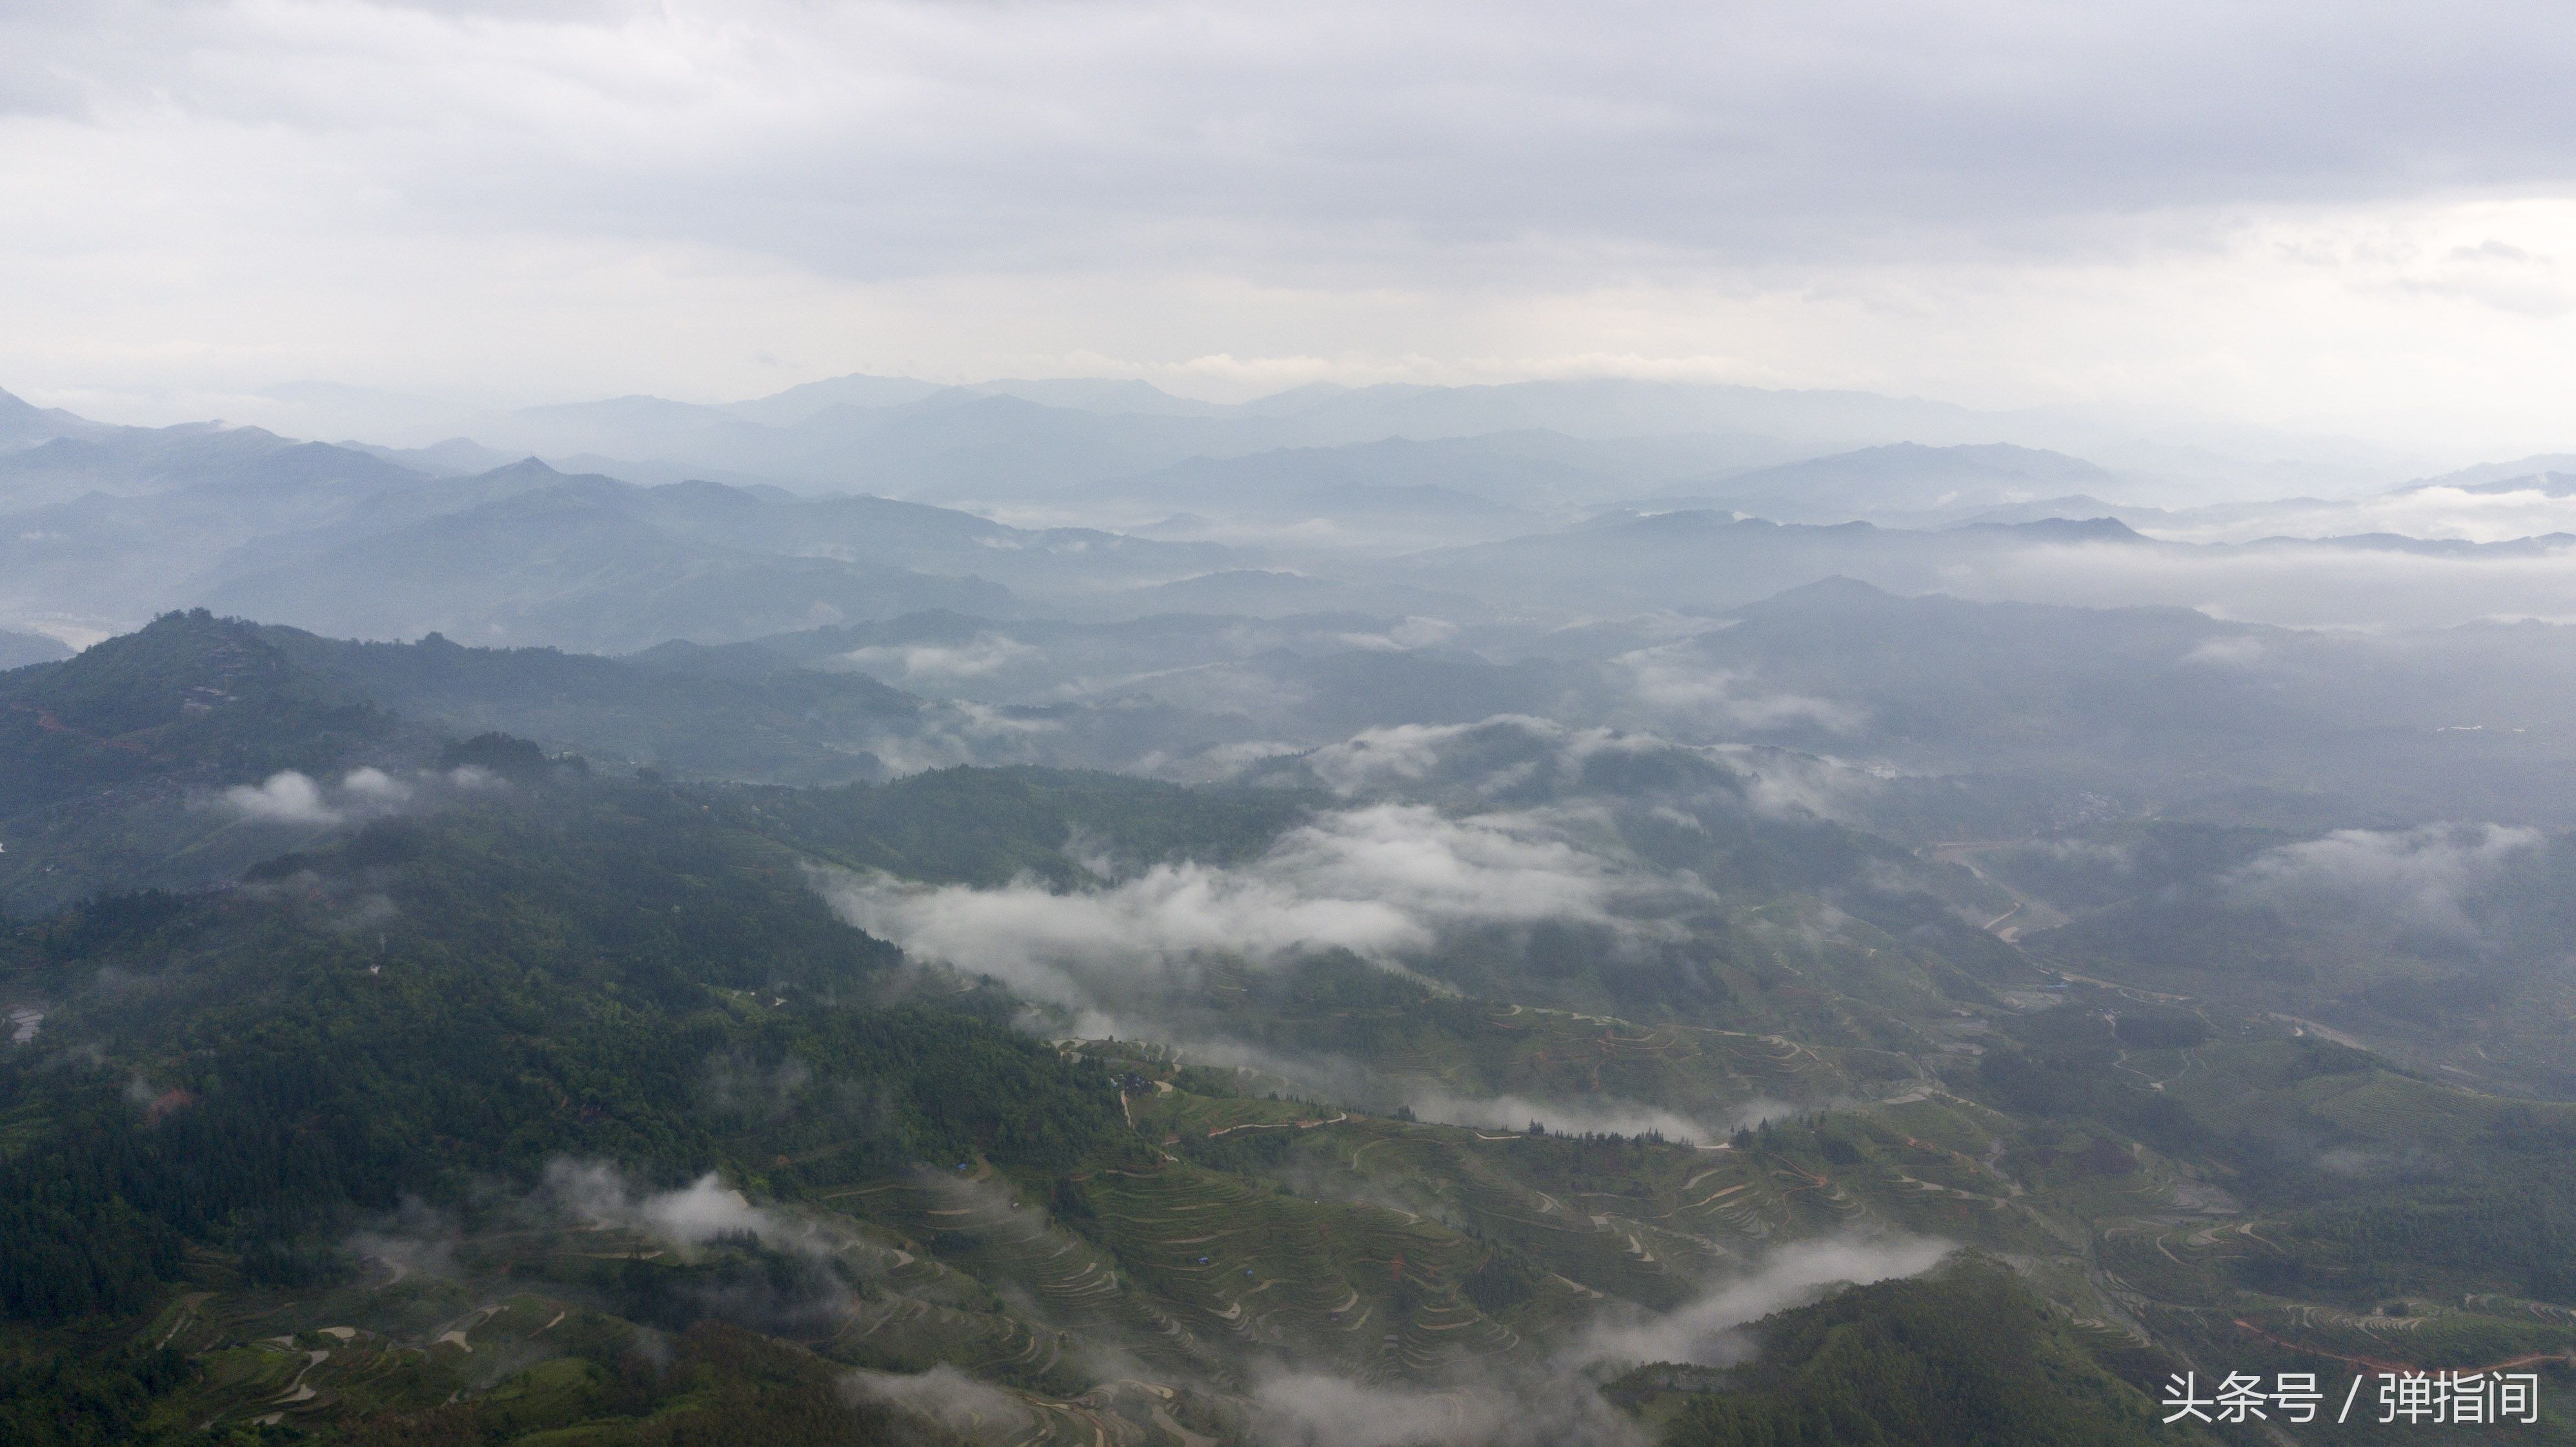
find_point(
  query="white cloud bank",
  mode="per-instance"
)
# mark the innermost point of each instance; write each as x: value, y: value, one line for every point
x: 601, y: 1195
x: 2421, y: 877
x: 293, y: 797
x: 956, y: 1401
x: 1562, y: 1408
x: 1606, y: 1114
x: 1528, y: 830
x: 1706, y: 1330
x: 1383, y: 882
x: 1518, y: 757
x: 1674, y: 683
x: 1315, y: 1409
x: 288, y: 797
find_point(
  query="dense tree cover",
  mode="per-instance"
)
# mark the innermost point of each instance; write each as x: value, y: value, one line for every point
x: 717, y: 1386
x: 2230, y: 934
x: 2066, y: 1068
x: 505, y: 756
x: 50, y: 1399
x: 1246, y: 1153
x: 72, y: 1240
x: 986, y: 826
x: 191, y: 696
x: 1334, y: 1000
x: 2158, y: 1027
x: 577, y: 971
x: 437, y: 672
x: 1963, y: 1358
x: 1503, y: 1280
x: 710, y: 712
x: 2494, y: 1208
x: 108, y: 759
x: 2482, y: 1207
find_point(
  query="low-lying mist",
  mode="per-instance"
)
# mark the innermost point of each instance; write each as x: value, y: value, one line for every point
x: 1308, y: 1409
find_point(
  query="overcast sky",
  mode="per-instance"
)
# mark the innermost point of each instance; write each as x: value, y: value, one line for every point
x: 2347, y: 217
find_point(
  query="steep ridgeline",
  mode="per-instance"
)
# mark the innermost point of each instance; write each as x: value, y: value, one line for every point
x: 742, y: 712
x: 770, y: 724
x: 108, y: 760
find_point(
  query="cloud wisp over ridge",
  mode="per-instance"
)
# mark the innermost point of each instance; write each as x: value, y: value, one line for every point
x: 1382, y: 881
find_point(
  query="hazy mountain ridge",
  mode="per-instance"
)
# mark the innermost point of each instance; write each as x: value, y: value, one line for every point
x: 1097, y: 424
x: 23, y: 424
x: 357, y: 544
x: 567, y: 563
x: 1909, y: 479
x: 17, y: 650
x: 2158, y: 708
x: 1293, y: 527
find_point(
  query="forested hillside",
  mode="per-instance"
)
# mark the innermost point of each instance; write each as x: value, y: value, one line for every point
x: 390, y: 1082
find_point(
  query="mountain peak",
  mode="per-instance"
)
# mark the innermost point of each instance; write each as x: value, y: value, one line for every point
x: 2091, y: 530
x: 1837, y: 594
x: 24, y: 424
x: 179, y: 664
x: 530, y: 468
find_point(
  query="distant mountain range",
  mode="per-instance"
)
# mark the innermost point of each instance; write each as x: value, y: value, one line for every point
x: 1911, y: 480
x: 1103, y: 500
x: 907, y: 437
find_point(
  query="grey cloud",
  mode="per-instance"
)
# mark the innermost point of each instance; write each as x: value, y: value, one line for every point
x: 736, y: 1086
x: 1982, y: 202
x: 891, y: 139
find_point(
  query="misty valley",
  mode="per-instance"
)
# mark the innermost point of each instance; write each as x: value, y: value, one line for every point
x: 1608, y: 913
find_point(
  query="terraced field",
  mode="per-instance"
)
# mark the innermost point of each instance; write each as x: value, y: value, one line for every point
x: 1471, y: 1050
x: 1142, y: 1298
